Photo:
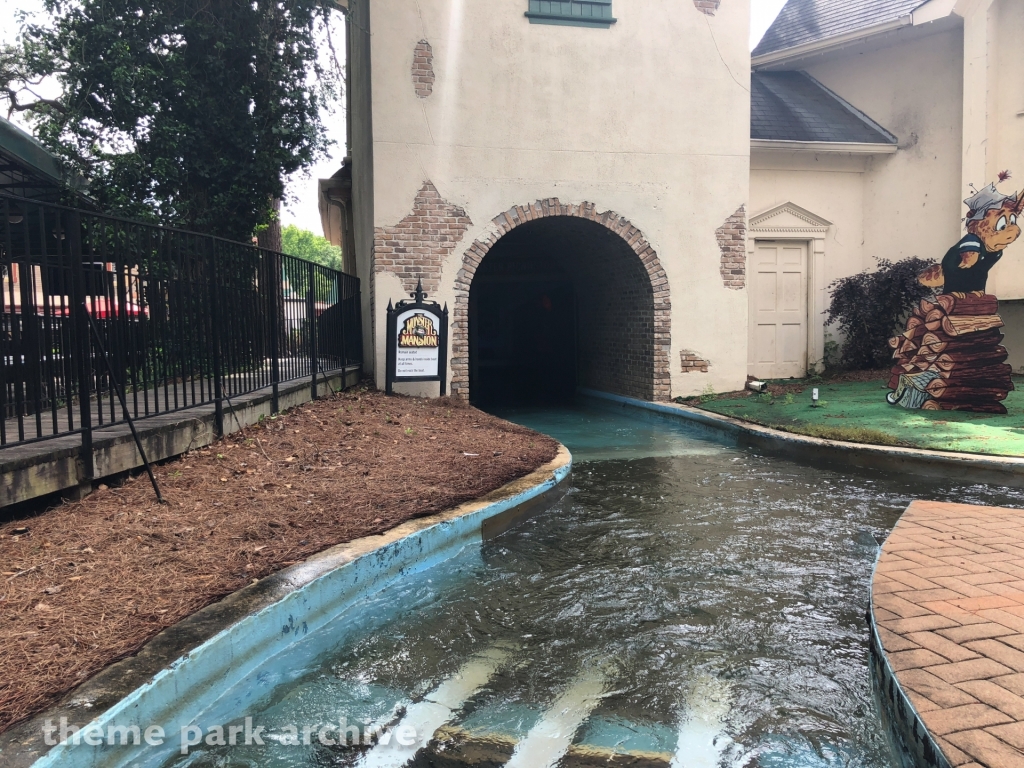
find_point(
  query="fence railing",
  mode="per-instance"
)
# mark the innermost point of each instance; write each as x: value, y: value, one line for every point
x: 178, y: 319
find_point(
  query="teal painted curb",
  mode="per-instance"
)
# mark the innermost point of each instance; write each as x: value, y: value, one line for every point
x: 936, y: 465
x: 267, y: 618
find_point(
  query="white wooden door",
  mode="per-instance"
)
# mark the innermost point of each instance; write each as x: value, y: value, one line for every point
x: 778, y: 310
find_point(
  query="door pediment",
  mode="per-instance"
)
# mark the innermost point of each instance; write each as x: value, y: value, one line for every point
x: 789, y: 218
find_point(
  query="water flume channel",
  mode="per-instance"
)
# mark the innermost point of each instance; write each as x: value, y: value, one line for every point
x: 687, y: 604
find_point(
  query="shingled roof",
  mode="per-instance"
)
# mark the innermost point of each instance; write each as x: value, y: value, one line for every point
x: 808, y: 21
x: 793, y: 106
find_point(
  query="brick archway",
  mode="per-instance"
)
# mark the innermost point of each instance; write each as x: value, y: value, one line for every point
x: 660, y: 385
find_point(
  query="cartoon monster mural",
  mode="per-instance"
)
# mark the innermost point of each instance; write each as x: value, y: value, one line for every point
x: 950, y: 357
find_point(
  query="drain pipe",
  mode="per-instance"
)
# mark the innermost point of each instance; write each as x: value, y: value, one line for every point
x: 124, y: 406
x: 233, y: 413
x: 327, y: 380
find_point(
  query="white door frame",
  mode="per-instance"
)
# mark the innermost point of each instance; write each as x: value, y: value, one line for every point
x: 791, y: 222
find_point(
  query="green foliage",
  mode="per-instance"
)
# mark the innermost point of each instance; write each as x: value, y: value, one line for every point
x: 789, y: 399
x: 306, y: 245
x: 846, y: 434
x: 830, y: 360
x: 870, y: 307
x: 184, y: 112
x: 833, y: 353
x: 708, y: 394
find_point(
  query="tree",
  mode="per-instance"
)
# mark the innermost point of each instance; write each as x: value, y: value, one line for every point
x: 306, y: 245
x: 872, y: 306
x: 184, y: 112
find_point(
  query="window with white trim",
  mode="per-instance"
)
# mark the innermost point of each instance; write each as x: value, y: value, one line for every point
x: 576, y: 13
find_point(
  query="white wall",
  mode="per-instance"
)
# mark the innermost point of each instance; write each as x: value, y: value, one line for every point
x: 649, y: 118
x: 912, y: 200
x: 1006, y: 89
x: 1005, y: 146
x: 910, y: 203
x: 830, y: 186
x: 887, y: 206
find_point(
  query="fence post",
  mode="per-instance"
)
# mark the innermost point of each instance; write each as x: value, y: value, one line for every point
x: 276, y: 297
x: 218, y: 388
x: 83, y: 339
x: 32, y: 400
x: 311, y: 317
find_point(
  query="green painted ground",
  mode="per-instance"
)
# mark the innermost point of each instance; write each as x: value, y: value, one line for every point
x: 857, y: 411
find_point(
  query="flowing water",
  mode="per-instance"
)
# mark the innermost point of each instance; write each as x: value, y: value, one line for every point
x: 687, y: 604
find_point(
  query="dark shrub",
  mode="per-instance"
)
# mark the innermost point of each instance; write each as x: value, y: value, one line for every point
x: 873, y: 306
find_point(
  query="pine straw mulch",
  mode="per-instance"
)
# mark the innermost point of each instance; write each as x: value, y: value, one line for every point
x: 87, y: 583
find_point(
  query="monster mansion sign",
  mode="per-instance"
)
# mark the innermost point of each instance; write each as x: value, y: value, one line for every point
x: 417, y: 341
x: 419, y: 345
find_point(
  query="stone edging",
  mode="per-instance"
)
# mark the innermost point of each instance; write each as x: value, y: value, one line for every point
x: 942, y: 465
x: 226, y: 640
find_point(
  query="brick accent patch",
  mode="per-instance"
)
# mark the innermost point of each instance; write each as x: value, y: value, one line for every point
x: 423, y: 69
x: 732, y: 241
x: 660, y: 381
x: 965, y: 673
x: 707, y: 6
x: 416, y: 247
x: 693, y: 363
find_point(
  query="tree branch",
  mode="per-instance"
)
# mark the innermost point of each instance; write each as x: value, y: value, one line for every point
x: 39, y: 103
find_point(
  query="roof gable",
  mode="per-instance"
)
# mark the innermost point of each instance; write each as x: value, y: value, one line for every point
x: 808, y: 21
x: 793, y: 106
x: 788, y: 217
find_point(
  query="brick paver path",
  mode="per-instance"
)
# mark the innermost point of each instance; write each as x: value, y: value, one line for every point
x: 949, y: 606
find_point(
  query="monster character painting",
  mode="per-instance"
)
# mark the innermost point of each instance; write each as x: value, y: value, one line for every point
x: 950, y: 357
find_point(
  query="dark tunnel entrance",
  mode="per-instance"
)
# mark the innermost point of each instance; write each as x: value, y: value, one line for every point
x: 557, y: 304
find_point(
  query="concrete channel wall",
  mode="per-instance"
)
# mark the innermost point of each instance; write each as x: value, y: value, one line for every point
x: 906, y: 731
x: 937, y: 465
x: 183, y: 671
x: 36, y: 469
x: 982, y: 718
x: 947, y: 601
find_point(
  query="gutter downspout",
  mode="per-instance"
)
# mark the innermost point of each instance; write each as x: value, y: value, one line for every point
x: 825, y: 147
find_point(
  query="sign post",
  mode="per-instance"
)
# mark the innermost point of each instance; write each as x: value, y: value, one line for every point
x: 417, y: 347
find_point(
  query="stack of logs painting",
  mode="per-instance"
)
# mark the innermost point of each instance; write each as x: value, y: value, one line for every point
x: 950, y: 357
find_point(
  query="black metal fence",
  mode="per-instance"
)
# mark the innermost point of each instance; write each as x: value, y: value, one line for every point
x: 93, y: 302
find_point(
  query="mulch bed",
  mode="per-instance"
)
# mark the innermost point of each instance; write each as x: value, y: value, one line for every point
x: 87, y: 583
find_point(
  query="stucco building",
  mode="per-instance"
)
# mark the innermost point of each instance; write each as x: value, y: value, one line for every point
x: 622, y: 197
x: 932, y: 106
x: 583, y: 220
